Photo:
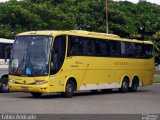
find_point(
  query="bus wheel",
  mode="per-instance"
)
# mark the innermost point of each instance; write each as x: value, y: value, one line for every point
x: 36, y: 94
x: 125, y: 86
x: 134, y: 86
x: 69, y: 91
x: 4, y: 85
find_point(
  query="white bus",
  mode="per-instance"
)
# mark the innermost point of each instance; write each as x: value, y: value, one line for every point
x: 5, y: 45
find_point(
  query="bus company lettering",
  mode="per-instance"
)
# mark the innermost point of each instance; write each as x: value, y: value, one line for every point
x: 121, y: 63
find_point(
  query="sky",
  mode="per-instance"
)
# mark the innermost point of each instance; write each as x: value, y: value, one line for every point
x: 134, y: 1
x: 3, y: 0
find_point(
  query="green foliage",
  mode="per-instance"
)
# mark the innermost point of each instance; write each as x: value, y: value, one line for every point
x: 140, y: 21
x: 156, y: 40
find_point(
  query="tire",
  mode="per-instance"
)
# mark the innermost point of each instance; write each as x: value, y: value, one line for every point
x: 125, y: 86
x: 134, y: 86
x: 69, y: 90
x: 4, y: 85
x: 36, y: 94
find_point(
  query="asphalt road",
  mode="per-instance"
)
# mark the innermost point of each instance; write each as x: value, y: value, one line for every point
x: 146, y: 100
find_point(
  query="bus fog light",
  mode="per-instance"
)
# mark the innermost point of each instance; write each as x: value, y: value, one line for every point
x: 12, y: 81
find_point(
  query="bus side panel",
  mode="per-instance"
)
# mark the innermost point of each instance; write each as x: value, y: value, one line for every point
x: 142, y: 68
x: 146, y: 71
x: 96, y: 71
x: 100, y: 70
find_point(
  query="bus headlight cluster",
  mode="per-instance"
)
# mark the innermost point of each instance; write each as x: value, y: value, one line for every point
x: 40, y: 82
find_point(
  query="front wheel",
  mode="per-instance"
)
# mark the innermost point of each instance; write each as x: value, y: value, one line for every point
x: 4, y: 85
x: 69, y: 91
x: 36, y: 94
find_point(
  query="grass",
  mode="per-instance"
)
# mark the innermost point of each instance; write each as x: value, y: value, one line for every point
x: 157, y: 79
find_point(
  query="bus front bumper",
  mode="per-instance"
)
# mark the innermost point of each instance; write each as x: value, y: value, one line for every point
x: 28, y: 88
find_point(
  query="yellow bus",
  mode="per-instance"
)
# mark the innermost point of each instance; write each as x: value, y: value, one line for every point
x: 69, y: 61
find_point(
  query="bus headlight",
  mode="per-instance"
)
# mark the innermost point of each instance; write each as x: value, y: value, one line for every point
x: 12, y: 81
x: 40, y: 82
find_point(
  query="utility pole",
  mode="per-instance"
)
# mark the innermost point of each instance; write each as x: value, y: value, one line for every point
x: 106, y: 16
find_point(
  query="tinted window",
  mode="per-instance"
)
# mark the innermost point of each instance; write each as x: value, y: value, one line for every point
x: 81, y: 46
x: 138, y: 50
x: 98, y: 47
x: 115, y: 48
x: 5, y: 50
x: 90, y: 45
x: 87, y: 46
x: 58, y: 53
x: 75, y: 46
x: 147, y: 51
x: 102, y: 48
x: 128, y: 49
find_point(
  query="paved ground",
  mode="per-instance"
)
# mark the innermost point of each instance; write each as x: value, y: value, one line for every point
x: 146, y: 100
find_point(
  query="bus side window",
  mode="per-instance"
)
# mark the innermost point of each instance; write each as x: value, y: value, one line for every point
x: 129, y: 50
x: 98, y: 48
x: 71, y: 46
x: 1, y: 51
x: 123, y: 49
x: 102, y: 48
x: 138, y: 50
x: 91, y: 47
x: 147, y: 51
x: 115, y: 48
x: 75, y: 46
x: 108, y: 52
x: 5, y: 49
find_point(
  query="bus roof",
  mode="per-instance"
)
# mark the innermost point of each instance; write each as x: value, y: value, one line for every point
x: 3, y: 40
x: 84, y: 34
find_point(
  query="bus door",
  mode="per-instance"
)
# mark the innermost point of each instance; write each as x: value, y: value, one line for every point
x: 57, y: 59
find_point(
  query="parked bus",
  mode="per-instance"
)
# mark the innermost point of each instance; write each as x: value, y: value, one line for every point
x: 69, y: 61
x: 5, y: 45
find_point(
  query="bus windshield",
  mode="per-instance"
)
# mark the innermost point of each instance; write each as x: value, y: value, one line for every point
x: 30, y: 56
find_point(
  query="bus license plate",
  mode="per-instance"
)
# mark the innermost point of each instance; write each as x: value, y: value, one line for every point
x: 24, y: 88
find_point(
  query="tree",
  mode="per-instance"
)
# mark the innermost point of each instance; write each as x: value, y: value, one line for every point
x: 156, y: 40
